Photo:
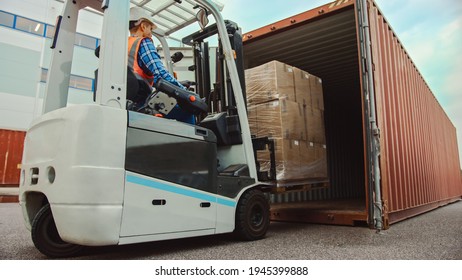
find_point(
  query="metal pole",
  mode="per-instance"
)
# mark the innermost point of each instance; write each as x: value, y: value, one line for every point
x: 236, y: 84
x: 369, y: 90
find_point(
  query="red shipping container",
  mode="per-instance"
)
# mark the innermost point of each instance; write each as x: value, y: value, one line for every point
x: 419, y: 160
x: 11, y: 148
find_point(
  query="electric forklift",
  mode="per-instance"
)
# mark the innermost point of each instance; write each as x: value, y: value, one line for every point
x: 101, y: 174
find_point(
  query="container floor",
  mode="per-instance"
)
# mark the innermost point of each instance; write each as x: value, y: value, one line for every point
x: 350, y: 212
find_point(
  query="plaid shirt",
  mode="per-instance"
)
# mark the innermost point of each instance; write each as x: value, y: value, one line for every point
x: 149, y: 60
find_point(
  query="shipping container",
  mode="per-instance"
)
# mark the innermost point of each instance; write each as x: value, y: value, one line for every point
x: 392, y: 150
x: 11, y: 146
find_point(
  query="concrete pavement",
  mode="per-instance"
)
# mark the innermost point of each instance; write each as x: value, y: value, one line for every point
x: 436, y: 235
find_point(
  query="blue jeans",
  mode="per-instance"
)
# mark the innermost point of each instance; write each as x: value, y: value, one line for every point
x: 180, y: 115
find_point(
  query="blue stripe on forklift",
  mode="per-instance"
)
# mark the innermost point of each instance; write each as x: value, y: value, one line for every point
x: 173, y: 189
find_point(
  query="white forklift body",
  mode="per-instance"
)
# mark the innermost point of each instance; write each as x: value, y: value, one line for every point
x: 98, y: 174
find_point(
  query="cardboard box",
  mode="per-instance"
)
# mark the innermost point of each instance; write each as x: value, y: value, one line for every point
x: 316, y: 93
x: 314, y: 125
x: 287, y: 155
x: 302, y: 87
x: 296, y: 161
x: 272, y: 80
x: 252, y: 117
x: 313, y: 160
x: 286, y: 103
x: 279, y: 119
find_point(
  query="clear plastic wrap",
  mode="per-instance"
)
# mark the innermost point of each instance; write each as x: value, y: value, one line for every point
x: 314, y: 125
x: 297, y: 162
x: 288, y: 120
x: 297, y: 159
x: 296, y: 127
x: 278, y: 119
x: 287, y: 154
x: 272, y: 80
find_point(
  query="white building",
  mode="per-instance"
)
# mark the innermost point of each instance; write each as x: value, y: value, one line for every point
x: 26, y: 29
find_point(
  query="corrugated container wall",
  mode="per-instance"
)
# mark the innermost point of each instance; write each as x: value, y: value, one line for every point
x: 11, y: 146
x: 419, y: 161
x: 419, y: 154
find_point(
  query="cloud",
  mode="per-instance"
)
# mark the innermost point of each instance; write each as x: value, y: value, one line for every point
x: 453, y: 110
x: 448, y: 43
x: 452, y: 30
x: 452, y: 90
x: 450, y: 40
x: 453, y: 82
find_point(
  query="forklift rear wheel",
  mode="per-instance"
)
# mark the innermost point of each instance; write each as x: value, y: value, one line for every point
x: 252, y: 216
x: 46, y: 237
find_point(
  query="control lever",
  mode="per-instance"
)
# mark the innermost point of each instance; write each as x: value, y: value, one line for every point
x: 187, y: 100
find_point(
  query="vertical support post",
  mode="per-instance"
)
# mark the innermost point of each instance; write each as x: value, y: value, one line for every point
x: 236, y: 84
x: 57, y: 88
x: 166, y: 50
x: 112, y: 73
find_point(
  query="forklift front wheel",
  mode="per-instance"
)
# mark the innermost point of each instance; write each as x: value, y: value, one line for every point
x: 46, y: 237
x: 252, y: 216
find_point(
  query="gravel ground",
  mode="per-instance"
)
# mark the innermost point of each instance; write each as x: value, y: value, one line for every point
x: 436, y: 235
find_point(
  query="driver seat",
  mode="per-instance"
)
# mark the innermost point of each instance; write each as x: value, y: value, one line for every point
x: 137, y: 89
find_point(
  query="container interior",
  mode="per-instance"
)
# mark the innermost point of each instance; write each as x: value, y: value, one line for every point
x: 325, y: 46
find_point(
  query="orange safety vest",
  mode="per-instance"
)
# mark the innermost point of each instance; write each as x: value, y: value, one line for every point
x: 133, y: 47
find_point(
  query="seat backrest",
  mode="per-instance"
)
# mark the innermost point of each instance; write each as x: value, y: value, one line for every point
x: 137, y: 89
x: 132, y: 86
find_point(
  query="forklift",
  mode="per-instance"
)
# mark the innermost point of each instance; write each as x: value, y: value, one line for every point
x: 101, y: 174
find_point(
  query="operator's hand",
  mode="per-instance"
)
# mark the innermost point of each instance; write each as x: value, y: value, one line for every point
x: 187, y: 84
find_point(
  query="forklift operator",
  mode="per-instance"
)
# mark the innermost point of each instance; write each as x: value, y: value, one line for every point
x: 146, y: 62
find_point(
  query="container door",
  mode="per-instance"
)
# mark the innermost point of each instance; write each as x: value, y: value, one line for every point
x: 372, y: 132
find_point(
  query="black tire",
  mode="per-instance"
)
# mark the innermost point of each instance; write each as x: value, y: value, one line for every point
x: 46, y: 237
x: 252, y: 216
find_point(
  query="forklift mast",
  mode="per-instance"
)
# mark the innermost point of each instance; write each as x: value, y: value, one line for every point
x: 222, y: 98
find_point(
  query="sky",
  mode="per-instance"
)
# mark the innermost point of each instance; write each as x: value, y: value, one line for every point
x: 431, y: 32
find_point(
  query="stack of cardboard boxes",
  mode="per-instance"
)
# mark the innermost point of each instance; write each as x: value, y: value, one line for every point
x: 286, y: 104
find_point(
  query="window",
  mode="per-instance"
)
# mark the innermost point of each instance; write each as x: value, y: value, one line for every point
x: 43, y: 76
x: 77, y: 82
x: 6, y: 19
x: 50, y: 31
x: 85, y: 41
x: 43, y: 29
x: 30, y: 26
x: 81, y: 83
